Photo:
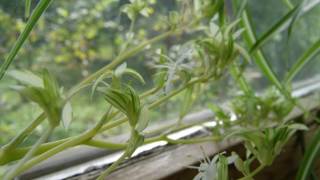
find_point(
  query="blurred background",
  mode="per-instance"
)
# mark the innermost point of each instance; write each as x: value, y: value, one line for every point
x: 76, y: 37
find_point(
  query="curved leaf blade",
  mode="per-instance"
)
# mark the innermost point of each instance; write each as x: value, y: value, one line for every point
x: 27, y: 8
x: 38, y: 11
x: 67, y: 115
x: 273, y: 30
x: 309, y: 157
x: 302, y: 61
x: 26, y: 77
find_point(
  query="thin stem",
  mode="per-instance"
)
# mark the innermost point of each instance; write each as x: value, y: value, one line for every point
x: 175, y: 92
x: 16, y: 154
x: 258, y: 56
x: 129, y: 39
x: 118, y: 60
x: 264, y: 65
x: 72, y: 142
x: 24, y: 133
x: 112, y: 167
x: 105, y: 145
x: 192, y: 140
x: 288, y: 4
x: 38, y: 11
x: 17, y: 169
x: 238, y: 77
x: 255, y: 172
x: 89, y: 79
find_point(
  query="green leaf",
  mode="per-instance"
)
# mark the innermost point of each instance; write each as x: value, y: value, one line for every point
x: 160, y: 78
x: 134, y: 74
x: 218, y: 112
x: 260, y: 59
x: 127, y: 101
x: 38, y: 11
x: 50, y: 85
x: 297, y: 12
x: 103, y: 76
x: 296, y: 126
x: 239, y: 164
x: 143, y: 120
x: 241, y: 8
x: 273, y: 30
x: 187, y: 102
x: 310, y: 156
x: 222, y: 168
x: 120, y: 70
x: 304, y: 59
x: 27, y: 8
x: 136, y: 140
x: 26, y: 77
x: 67, y: 115
x: 288, y: 4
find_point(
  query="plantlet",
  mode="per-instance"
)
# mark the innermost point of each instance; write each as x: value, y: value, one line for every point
x: 217, y: 168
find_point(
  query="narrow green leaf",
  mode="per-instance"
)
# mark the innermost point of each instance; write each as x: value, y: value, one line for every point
x: 238, y: 77
x: 103, y: 76
x: 218, y: 112
x: 304, y: 59
x: 27, y: 8
x: 26, y: 77
x: 309, y: 157
x: 134, y: 74
x: 241, y: 8
x: 273, y: 30
x: 143, y: 120
x: 259, y: 58
x: 296, y: 126
x: 67, y: 115
x: 120, y: 70
x: 297, y: 13
x: 50, y: 84
x: 38, y: 11
x: 186, y: 102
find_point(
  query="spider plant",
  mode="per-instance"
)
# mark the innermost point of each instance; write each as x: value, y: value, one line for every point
x: 214, y: 52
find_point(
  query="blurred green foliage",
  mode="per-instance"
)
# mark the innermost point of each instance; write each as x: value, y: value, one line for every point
x: 76, y: 37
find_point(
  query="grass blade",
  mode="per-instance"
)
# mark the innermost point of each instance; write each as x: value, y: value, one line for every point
x: 38, y: 11
x: 309, y: 157
x: 27, y: 8
x: 273, y: 30
x: 258, y: 56
x: 288, y: 4
x: 304, y: 59
x: 297, y: 13
x: 286, y: 22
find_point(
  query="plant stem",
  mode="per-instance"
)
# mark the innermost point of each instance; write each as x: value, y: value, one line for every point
x: 258, y: 56
x: 288, y: 3
x: 263, y: 63
x: 118, y: 60
x: 70, y: 143
x: 7, y: 156
x: 162, y: 137
x: 191, y: 140
x: 251, y: 175
x: 105, y: 145
x: 121, y: 58
x: 238, y: 77
x: 174, y: 92
x: 112, y: 167
x: 17, y: 169
x: 18, y: 153
x: 24, y: 133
